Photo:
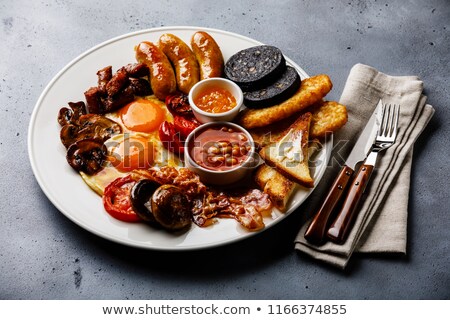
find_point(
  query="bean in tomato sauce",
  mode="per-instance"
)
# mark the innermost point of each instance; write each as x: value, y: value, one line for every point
x: 220, y: 148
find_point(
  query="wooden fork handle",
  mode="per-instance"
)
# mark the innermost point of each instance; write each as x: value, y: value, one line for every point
x: 341, y: 226
x: 316, y: 232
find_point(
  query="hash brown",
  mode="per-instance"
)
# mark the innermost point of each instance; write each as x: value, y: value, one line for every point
x: 327, y: 116
x: 311, y: 91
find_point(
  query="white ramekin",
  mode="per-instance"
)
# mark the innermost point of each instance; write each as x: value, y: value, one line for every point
x: 205, y: 117
x: 220, y: 177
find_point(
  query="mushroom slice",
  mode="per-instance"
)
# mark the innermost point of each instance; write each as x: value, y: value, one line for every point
x: 87, y: 155
x: 64, y: 116
x: 171, y: 207
x: 90, y: 126
x: 71, y: 114
x: 68, y: 134
x: 140, y: 196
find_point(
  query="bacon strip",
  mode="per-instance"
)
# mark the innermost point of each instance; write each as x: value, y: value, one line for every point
x: 247, y: 206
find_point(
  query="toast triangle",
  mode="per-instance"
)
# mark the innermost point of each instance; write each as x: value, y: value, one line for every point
x: 289, y: 154
x: 277, y: 186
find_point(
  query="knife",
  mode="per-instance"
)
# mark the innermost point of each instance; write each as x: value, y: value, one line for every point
x: 316, y: 231
x: 341, y: 226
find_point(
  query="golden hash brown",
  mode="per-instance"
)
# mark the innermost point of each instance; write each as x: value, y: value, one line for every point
x: 327, y: 116
x: 311, y: 91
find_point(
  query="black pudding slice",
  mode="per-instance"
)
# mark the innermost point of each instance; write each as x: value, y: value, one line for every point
x: 282, y: 89
x: 255, y: 67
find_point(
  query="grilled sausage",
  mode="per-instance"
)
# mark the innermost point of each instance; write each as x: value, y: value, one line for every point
x: 162, y: 77
x: 182, y: 58
x: 208, y: 55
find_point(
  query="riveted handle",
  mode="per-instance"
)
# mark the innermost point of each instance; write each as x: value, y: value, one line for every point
x: 341, y: 226
x: 316, y: 232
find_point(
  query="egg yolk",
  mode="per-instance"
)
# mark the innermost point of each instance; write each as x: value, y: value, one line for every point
x: 132, y: 153
x: 142, y: 115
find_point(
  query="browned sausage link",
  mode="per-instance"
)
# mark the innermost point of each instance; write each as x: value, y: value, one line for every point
x: 183, y: 59
x: 208, y: 55
x: 104, y: 75
x: 162, y: 77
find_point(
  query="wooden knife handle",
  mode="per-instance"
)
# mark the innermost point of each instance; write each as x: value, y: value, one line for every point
x: 341, y: 226
x: 316, y: 231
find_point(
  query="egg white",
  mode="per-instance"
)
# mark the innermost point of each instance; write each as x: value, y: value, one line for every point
x: 162, y: 157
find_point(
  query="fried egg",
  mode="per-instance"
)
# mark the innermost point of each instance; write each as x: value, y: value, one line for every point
x: 138, y: 147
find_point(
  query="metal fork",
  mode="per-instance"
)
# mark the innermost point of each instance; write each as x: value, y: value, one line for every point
x: 386, y: 135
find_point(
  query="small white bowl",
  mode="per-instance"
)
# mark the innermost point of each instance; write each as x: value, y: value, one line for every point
x: 224, y: 177
x: 205, y: 117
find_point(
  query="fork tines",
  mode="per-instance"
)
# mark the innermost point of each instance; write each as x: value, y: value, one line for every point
x: 389, y: 122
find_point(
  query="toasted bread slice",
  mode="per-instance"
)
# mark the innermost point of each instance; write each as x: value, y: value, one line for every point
x: 327, y: 116
x: 289, y: 155
x: 311, y: 91
x: 273, y: 132
x: 278, y: 187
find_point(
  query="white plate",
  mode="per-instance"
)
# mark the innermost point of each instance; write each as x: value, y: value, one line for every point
x: 65, y: 188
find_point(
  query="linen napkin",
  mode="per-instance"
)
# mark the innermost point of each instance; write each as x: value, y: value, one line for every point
x: 381, y: 222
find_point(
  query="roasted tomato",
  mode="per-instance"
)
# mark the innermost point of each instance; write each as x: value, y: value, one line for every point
x: 173, y: 135
x: 170, y: 138
x: 185, y: 125
x: 178, y: 104
x: 116, y: 199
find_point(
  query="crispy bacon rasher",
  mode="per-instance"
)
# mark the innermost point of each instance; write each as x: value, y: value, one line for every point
x: 247, y: 206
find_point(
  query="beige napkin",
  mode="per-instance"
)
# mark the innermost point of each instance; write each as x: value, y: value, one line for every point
x: 381, y: 223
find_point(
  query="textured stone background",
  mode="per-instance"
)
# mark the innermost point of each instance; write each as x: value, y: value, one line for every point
x: 43, y: 255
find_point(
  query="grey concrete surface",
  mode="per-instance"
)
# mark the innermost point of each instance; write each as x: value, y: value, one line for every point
x: 43, y: 255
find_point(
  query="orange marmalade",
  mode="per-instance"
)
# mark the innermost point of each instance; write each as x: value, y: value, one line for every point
x: 215, y: 99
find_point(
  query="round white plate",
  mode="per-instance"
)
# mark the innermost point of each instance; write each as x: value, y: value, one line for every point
x: 65, y: 188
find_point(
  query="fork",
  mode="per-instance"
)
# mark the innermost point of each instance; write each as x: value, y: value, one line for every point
x: 386, y: 135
